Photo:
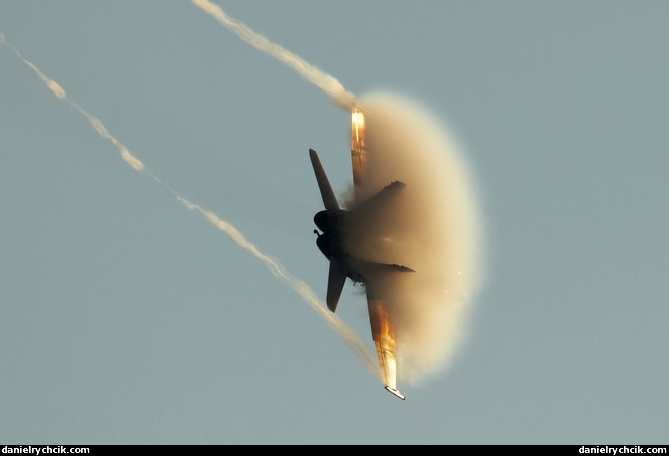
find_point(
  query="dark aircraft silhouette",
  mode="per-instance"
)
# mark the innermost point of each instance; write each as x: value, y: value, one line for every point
x: 340, y: 229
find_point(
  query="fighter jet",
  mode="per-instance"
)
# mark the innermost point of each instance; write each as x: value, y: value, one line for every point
x: 340, y: 229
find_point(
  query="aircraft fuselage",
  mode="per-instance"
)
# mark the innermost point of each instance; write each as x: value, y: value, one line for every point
x: 331, y: 242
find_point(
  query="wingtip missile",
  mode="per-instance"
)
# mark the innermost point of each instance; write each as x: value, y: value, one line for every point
x: 395, y: 392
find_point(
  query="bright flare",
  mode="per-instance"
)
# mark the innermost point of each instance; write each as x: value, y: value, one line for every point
x: 358, y: 154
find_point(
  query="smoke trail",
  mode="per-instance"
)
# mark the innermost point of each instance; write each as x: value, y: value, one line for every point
x: 324, y: 81
x: 59, y: 92
x: 278, y: 270
x: 432, y: 227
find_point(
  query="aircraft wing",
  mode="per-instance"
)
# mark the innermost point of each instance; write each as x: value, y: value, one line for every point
x: 383, y: 330
x: 383, y: 333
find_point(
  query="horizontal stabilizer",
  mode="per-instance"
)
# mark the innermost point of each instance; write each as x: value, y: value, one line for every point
x: 386, y: 267
x: 400, y: 268
x: 379, y: 199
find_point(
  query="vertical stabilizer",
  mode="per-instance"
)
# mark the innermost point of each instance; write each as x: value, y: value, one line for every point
x: 329, y: 199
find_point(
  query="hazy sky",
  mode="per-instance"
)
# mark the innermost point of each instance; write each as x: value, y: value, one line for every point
x: 126, y: 318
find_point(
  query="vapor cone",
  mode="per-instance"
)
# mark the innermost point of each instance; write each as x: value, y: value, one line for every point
x: 432, y: 227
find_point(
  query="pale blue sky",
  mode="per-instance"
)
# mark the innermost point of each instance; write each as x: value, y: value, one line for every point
x: 125, y: 318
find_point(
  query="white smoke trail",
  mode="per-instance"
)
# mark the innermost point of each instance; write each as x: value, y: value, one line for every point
x: 278, y: 270
x: 59, y: 92
x: 324, y: 81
